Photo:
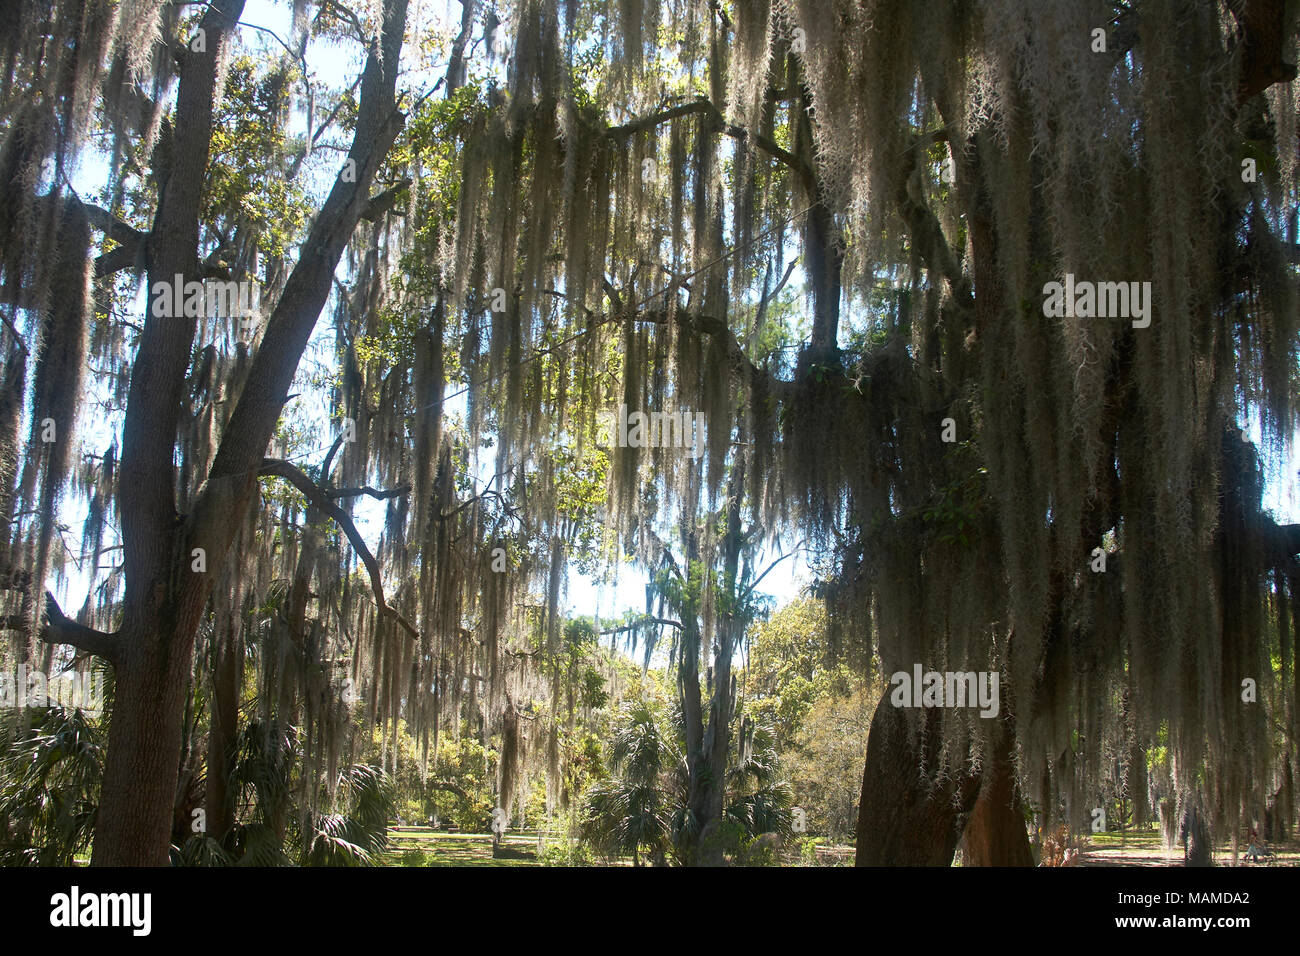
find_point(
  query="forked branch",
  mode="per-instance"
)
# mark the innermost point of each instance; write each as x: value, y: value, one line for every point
x: 320, y: 499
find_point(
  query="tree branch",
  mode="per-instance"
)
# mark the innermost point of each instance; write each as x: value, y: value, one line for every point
x: 753, y: 584
x: 718, y: 328
x: 927, y: 233
x: 448, y: 788
x: 320, y: 498
x: 643, y: 622
x: 61, y: 629
x: 115, y: 260
x: 1284, y: 539
x: 1261, y: 27
x: 111, y: 226
x: 380, y: 203
x: 232, y: 478
x: 706, y: 108
x: 367, y: 490
x: 146, y: 491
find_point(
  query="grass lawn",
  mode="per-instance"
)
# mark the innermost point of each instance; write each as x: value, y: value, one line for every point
x: 1145, y: 848
x: 420, y: 846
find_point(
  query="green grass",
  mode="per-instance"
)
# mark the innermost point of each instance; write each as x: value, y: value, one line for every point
x: 433, y: 848
x: 420, y: 846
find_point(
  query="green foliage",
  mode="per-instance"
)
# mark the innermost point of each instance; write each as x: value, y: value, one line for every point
x: 641, y: 809
x: 200, y: 850
x: 824, y: 762
x: 758, y: 800
x: 246, y: 181
x: 357, y: 832
x: 953, y: 517
x: 414, y: 857
x: 789, y: 667
x: 470, y: 768
x: 568, y: 853
x: 629, y: 814
x: 51, y: 762
x: 819, y: 712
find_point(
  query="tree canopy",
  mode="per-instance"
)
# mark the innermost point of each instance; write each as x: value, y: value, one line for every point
x: 986, y: 308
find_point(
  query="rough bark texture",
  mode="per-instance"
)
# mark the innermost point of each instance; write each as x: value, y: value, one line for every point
x: 1263, y: 27
x: 159, y: 619
x: 903, y: 819
x: 708, y: 744
x: 995, y: 831
x: 227, y: 681
x: 144, y: 746
x: 1194, y: 835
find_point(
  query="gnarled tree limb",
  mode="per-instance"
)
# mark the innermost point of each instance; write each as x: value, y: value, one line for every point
x: 367, y: 490
x: 382, y: 202
x: 704, y: 107
x: 231, y: 480
x: 1261, y: 26
x: 61, y: 629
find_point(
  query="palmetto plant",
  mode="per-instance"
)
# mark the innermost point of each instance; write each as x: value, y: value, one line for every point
x: 347, y: 826
x: 266, y: 754
x: 644, y: 807
x: 356, y: 833
x: 757, y: 799
x: 51, y: 762
x: 633, y: 811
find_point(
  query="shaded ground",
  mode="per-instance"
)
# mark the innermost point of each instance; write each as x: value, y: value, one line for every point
x: 421, y: 846
x: 1147, y: 849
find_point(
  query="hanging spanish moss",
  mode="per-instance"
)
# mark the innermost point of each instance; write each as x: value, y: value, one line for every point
x: 57, y: 377
x: 1090, y: 437
x: 678, y: 282
x: 1081, y: 438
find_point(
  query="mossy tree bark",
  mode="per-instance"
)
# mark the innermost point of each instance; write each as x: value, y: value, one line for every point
x: 905, y: 819
x: 995, y: 831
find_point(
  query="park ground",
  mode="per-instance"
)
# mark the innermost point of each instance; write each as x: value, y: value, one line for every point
x: 422, y: 846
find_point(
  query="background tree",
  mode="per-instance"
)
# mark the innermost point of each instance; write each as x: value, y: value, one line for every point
x: 165, y: 592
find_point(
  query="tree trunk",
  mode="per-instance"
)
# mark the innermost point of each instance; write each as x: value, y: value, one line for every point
x: 134, y: 823
x: 1194, y: 834
x: 709, y: 747
x: 995, y: 832
x: 699, y: 795
x: 1168, y: 825
x: 162, y: 605
x: 165, y: 593
x: 227, y: 680
x: 903, y: 818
